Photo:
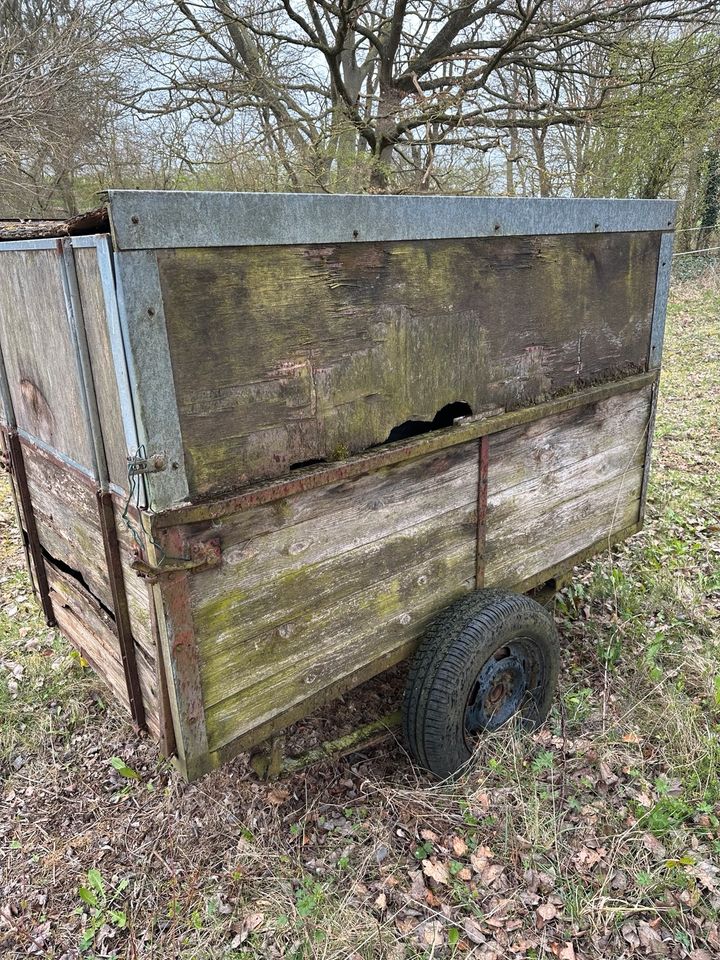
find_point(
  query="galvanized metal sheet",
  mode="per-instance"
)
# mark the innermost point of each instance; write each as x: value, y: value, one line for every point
x: 45, y: 244
x: 56, y: 454
x: 153, y: 219
x: 662, y: 291
x: 142, y: 320
x: 657, y: 336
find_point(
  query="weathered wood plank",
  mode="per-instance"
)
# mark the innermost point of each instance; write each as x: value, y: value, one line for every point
x: 326, y: 644
x: 66, y: 512
x: 101, y: 360
x: 248, y: 635
x: 286, y: 539
x: 90, y: 630
x: 267, y: 728
x: 39, y: 353
x: 553, y: 493
x: 395, y: 332
x: 565, y: 442
x: 541, y: 540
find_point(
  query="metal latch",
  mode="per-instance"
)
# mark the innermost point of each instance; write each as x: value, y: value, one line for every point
x: 203, y: 554
x: 155, y: 463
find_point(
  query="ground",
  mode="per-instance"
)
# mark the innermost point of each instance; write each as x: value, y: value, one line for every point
x: 597, y: 837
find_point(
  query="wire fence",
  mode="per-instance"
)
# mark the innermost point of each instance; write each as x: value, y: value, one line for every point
x: 694, y: 264
x: 690, y: 263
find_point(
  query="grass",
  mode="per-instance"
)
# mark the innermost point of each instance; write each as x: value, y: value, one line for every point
x: 597, y: 837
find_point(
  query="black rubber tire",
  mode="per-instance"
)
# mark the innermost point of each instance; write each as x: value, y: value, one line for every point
x: 451, y: 657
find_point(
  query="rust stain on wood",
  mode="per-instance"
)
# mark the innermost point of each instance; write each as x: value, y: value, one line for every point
x: 483, y: 445
x: 184, y: 664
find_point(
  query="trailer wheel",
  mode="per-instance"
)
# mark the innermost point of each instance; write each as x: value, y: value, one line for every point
x: 490, y: 656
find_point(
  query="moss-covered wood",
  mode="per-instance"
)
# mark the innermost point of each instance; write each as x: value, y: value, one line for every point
x: 333, y: 584
x: 286, y: 354
x: 309, y: 589
x: 278, y: 491
x: 329, y: 643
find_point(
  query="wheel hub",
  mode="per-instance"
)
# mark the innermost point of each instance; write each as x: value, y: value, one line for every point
x: 502, y: 686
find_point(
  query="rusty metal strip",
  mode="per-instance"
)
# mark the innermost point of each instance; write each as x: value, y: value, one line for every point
x: 648, y: 450
x: 310, y: 478
x: 6, y: 466
x: 482, y: 493
x: 203, y: 555
x: 182, y: 659
x: 17, y: 465
x: 120, y: 606
x: 168, y: 745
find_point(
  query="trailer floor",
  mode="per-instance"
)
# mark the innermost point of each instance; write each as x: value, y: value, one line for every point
x: 599, y: 837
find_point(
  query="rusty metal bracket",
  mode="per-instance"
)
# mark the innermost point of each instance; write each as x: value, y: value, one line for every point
x: 16, y: 462
x: 203, y: 554
x: 123, y: 626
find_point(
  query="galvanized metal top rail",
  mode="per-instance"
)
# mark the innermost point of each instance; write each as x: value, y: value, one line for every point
x: 156, y: 219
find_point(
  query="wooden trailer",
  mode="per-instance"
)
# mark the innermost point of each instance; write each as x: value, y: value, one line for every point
x: 259, y: 443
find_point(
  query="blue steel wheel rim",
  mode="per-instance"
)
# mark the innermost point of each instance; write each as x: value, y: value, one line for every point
x: 509, y: 682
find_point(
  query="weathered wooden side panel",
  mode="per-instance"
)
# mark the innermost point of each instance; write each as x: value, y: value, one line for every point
x: 102, y: 363
x: 329, y: 582
x: 90, y: 629
x: 39, y: 353
x: 560, y: 484
x: 314, y: 352
x: 67, y: 517
x: 337, y: 583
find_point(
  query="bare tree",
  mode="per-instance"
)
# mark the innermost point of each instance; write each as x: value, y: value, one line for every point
x: 54, y: 95
x: 339, y: 90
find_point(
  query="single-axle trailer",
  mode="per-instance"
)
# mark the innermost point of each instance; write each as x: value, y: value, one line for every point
x: 262, y: 444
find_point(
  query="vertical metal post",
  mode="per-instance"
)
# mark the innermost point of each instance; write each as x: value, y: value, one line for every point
x: 481, y: 511
x: 657, y: 336
x: 76, y: 322
x: 17, y: 465
x: 117, y: 346
x: 123, y: 626
x: 662, y: 292
x: 6, y: 405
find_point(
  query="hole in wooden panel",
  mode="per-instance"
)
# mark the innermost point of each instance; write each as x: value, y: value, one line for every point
x: 445, y: 417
